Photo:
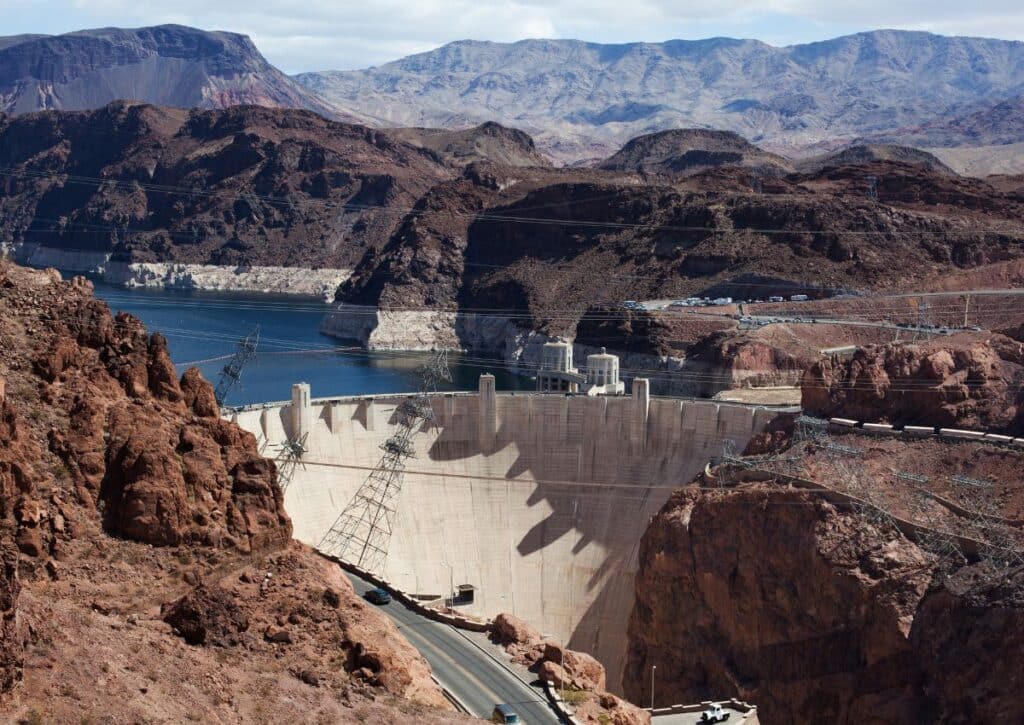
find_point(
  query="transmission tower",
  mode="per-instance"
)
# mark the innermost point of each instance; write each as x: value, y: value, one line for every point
x: 362, y: 533
x: 290, y: 453
x: 231, y: 372
x: 923, y: 319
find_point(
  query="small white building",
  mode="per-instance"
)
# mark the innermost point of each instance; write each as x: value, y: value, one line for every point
x: 603, y: 374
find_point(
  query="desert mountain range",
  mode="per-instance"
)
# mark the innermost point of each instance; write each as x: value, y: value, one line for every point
x: 580, y: 101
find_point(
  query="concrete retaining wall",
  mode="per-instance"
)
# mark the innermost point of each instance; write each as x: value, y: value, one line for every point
x: 747, y: 712
x: 539, y: 501
x: 848, y: 425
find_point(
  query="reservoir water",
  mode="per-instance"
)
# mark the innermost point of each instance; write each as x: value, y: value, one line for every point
x: 203, y: 329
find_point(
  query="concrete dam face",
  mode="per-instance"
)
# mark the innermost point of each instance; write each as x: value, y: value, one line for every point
x: 539, y: 501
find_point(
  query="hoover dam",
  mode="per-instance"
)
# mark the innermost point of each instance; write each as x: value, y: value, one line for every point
x: 538, y: 501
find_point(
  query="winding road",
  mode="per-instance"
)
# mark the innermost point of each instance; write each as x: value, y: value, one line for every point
x: 476, y: 677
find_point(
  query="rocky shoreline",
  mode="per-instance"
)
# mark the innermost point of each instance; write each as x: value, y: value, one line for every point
x: 173, y: 275
x: 519, y: 348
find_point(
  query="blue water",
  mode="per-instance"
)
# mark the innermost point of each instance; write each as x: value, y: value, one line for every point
x: 203, y: 329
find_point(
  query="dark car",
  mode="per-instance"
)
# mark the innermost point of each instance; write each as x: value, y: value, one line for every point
x: 505, y: 715
x: 377, y: 596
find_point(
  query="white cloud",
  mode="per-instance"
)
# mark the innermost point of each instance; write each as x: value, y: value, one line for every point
x: 320, y: 34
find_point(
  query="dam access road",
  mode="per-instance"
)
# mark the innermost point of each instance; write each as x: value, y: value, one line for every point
x: 477, y: 678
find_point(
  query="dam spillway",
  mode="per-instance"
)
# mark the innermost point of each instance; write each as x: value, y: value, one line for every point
x: 537, y: 500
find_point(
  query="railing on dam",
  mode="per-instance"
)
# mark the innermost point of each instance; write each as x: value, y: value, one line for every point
x: 508, y: 393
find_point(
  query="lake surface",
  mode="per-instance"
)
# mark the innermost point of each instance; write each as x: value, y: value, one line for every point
x: 203, y: 329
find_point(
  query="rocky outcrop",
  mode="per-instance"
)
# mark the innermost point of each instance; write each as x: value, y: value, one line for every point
x: 133, y: 517
x: 206, y: 615
x: 868, y: 153
x: 968, y: 380
x: 16, y: 454
x: 219, y: 199
x: 682, y: 151
x: 567, y: 670
x: 780, y: 598
x: 489, y: 143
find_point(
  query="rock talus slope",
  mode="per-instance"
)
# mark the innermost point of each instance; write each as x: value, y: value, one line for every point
x: 144, y: 545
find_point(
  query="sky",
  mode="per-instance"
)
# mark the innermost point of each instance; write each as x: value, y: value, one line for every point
x: 307, y: 35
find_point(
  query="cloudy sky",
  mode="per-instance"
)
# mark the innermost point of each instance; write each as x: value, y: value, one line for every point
x: 300, y: 35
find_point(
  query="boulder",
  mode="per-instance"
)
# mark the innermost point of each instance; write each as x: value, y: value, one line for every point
x: 207, y: 615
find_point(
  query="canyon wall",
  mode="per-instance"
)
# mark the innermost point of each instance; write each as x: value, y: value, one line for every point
x: 813, y: 613
x: 494, y: 335
x: 147, y: 567
x: 173, y: 275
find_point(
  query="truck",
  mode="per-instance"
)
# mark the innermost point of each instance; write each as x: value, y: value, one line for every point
x: 714, y: 713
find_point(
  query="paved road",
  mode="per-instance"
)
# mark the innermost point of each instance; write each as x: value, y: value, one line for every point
x: 464, y: 668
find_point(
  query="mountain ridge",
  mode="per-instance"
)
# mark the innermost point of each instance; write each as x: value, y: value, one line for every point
x: 171, y: 65
x: 584, y: 100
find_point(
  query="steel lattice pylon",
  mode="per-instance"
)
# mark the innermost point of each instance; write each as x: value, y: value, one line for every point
x: 362, y: 533
x: 289, y: 456
x: 231, y: 372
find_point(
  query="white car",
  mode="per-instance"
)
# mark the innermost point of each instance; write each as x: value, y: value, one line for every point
x: 715, y: 713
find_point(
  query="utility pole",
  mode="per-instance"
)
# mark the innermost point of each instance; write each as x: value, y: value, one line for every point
x: 362, y: 532
x: 230, y: 373
x: 967, y: 306
x: 653, y: 668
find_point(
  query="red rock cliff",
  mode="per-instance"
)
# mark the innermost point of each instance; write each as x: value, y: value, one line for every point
x: 777, y: 597
x: 968, y: 380
x: 147, y: 571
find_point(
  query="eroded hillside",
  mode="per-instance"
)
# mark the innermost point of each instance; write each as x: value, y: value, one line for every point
x: 839, y: 578
x: 148, y: 568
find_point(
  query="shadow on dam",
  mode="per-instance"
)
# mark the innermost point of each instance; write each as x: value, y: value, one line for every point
x: 539, y: 501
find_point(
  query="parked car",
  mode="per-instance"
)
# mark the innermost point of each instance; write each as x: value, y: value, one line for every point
x: 505, y: 714
x: 798, y: 298
x: 377, y: 596
x: 632, y: 305
x: 679, y: 303
x: 776, y: 298
x: 715, y: 713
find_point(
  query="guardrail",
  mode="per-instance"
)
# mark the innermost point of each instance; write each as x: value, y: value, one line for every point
x: 455, y: 620
x: 249, y: 407
x: 849, y: 425
x: 564, y: 709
